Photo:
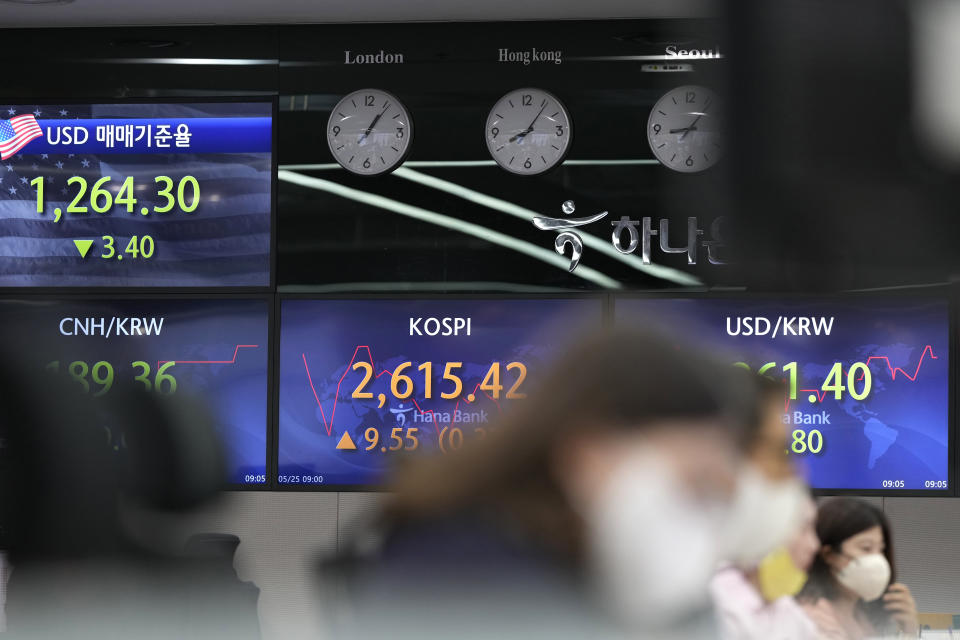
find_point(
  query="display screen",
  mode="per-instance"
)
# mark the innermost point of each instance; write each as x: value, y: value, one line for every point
x: 214, y: 350
x: 363, y: 381
x: 867, y: 399
x: 136, y: 195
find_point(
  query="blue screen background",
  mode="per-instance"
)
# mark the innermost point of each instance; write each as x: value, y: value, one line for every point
x: 331, y: 334
x: 192, y: 330
x: 898, y: 434
x: 224, y: 242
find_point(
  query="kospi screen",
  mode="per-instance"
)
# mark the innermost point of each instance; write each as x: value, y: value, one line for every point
x: 867, y: 400
x: 214, y: 350
x: 136, y: 194
x: 364, y: 381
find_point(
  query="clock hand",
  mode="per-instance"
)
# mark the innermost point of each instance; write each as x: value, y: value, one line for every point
x: 526, y: 131
x: 683, y: 129
x: 530, y: 128
x: 374, y: 123
x: 692, y: 127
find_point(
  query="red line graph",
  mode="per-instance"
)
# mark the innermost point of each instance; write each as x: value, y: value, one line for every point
x: 231, y: 361
x: 821, y: 394
x: 328, y: 425
x: 893, y: 370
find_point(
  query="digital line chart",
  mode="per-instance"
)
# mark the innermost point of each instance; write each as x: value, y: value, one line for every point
x: 328, y: 424
x: 818, y: 395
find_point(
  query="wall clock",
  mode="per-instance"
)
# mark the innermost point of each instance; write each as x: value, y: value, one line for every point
x: 684, y: 130
x: 528, y: 131
x: 369, y: 132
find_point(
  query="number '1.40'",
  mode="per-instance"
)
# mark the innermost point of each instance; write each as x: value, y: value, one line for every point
x: 858, y: 375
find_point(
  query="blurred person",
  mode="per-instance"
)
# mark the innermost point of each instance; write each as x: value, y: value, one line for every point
x: 852, y: 590
x: 753, y: 593
x: 76, y: 573
x: 784, y: 572
x: 767, y: 479
x: 757, y: 602
x: 592, y: 510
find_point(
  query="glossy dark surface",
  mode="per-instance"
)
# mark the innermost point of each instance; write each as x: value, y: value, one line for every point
x: 450, y: 78
x: 829, y: 189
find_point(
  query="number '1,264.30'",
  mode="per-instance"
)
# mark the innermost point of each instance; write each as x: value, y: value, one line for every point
x: 101, y: 197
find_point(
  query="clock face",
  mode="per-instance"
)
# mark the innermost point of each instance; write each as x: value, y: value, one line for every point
x: 528, y: 131
x: 684, y: 129
x: 369, y: 132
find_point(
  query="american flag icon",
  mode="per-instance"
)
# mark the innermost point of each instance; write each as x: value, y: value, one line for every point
x: 16, y: 132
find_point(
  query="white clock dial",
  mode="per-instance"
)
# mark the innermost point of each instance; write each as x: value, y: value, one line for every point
x: 684, y: 129
x: 528, y: 131
x: 369, y: 132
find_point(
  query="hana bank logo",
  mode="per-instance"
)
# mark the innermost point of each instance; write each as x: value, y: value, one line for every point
x: 16, y: 132
x: 639, y: 234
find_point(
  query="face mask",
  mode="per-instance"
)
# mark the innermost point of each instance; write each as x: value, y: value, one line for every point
x: 763, y: 516
x: 779, y: 576
x: 867, y: 576
x: 652, y: 547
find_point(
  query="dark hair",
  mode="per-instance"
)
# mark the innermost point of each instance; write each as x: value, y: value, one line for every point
x: 768, y: 390
x: 617, y: 380
x: 59, y: 477
x: 838, y: 520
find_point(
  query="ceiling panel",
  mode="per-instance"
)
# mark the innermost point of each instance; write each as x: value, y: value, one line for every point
x: 182, y: 12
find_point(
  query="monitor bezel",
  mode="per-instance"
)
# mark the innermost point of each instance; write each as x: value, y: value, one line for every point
x: 944, y: 292
x: 272, y: 100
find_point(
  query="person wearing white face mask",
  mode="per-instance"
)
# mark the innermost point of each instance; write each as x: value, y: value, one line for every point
x: 592, y: 511
x: 852, y: 589
x: 769, y: 538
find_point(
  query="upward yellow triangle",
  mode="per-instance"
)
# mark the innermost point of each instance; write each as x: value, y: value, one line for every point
x: 346, y: 442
